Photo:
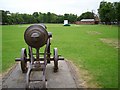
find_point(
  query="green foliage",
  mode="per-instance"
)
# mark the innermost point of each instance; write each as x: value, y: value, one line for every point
x: 109, y: 12
x: 117, y: 10
x: 86, y: 15
x: 75, y: 43
x: 36, y: 17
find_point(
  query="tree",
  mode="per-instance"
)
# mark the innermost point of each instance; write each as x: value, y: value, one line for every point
x: 66, y: 16
x: 72, y: 18
x: 109, y: 12
x: 105, y: 11
x: 86, y: 15
x: 116, y: 6
x: 48, y: 17
x: 5, y: 19
x: 60, y: 19
x: 35, y: 15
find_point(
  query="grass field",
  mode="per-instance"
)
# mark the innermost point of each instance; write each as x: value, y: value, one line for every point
x: 92, y: 48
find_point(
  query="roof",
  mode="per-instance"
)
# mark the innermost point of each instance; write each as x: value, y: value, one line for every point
x: 87, y: 20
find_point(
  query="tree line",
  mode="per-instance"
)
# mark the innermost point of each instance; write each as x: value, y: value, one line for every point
x: 36, y: 17
x: 109, y: 13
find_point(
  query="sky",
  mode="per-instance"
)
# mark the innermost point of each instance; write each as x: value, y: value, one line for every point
x: 58, y: 7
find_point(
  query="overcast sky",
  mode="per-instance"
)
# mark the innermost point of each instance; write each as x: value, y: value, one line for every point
x: 53, y: 6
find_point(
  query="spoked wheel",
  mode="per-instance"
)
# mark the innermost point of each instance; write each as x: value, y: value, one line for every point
x: 24, y: 60
x: 55, y: 59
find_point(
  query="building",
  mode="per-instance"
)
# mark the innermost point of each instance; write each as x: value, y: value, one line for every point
x: 87, y: 21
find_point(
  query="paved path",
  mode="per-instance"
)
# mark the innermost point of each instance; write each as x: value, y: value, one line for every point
x: 62, y: 79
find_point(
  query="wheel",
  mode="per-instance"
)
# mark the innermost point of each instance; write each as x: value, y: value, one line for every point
x: 24, y: 60
x: 55, y: 59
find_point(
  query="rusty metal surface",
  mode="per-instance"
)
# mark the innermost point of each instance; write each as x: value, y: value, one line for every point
x: 36, y: 36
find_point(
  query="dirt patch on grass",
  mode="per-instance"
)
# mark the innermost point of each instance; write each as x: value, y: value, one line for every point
x: 93, y: 32
x: 81, y: 76
x: 111, y: 42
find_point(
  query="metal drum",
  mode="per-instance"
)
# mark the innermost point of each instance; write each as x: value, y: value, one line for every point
x: 36, y: 36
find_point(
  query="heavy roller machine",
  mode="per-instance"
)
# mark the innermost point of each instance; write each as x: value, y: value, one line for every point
x: 36, y: 36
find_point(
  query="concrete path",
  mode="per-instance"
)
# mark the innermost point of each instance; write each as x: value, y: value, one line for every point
x: 62, y: 79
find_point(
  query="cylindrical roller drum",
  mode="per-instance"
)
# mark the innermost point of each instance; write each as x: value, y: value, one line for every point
x: 43, y: 25
x: 36, y: 36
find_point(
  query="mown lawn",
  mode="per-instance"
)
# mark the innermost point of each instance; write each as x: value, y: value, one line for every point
x: 82, y: 44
